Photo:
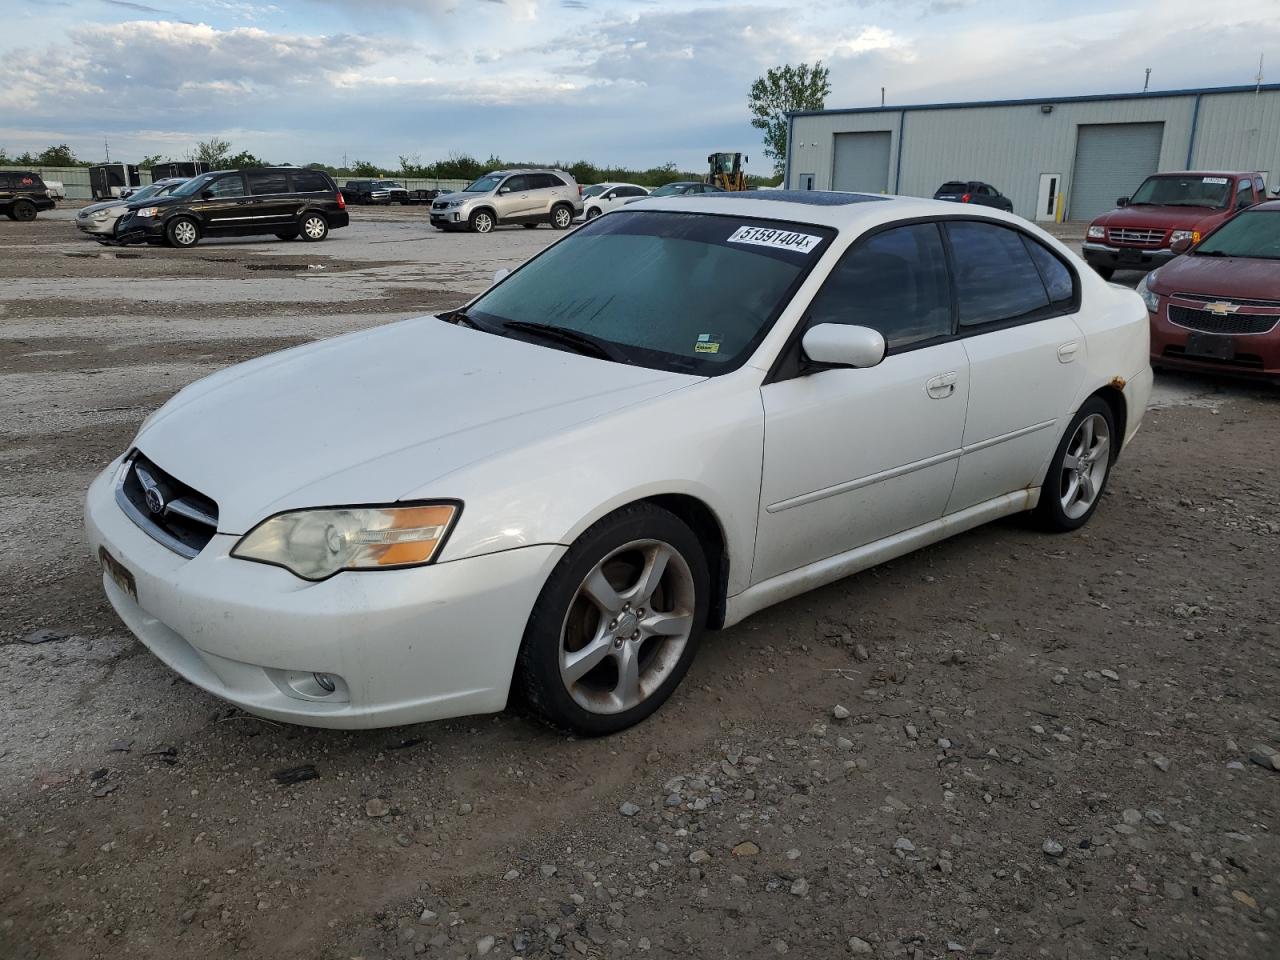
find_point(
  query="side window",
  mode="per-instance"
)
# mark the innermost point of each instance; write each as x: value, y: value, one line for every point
x: 631, y: 192
x: 263, y: 182
x: 310, y: 181
x: 996, y: 279
x: 895, y: 282
x: 229, y: 186
x: 1261, y: 187
x: 6, y: 181
x: 1244, y: 194
x: 517, y: 184
x: 1058, y: 282
x: 550, y: 181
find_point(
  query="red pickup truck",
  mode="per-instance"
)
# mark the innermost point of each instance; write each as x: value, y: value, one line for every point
x: 1168, y: 207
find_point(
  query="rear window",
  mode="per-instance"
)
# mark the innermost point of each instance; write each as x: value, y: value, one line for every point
x: 955, y: 186
x: 310, y: 181
x: 28, y: 181
x: 996, y: 279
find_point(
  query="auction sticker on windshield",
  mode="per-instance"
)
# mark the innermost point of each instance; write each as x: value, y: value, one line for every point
x: 1215, y: 180
x: 778, y: 239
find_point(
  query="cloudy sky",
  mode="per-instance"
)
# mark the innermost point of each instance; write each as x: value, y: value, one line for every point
x: 634, y: 82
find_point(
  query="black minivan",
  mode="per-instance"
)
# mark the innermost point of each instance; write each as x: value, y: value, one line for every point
x: 289, y: 202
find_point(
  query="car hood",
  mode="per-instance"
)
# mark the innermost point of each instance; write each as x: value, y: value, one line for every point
x: 1165, y: 218
x: 1225, y: 277
x: 101, y: 205
x: 460, y: 195
x: 369, y: 417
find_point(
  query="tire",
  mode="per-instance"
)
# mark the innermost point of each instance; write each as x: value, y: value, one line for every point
x: 1071, y: 494
x: 22, y: 210
x: 614, y: 561
x: 593, y: 212
x: 313, y: 227
x: 182, y: 232
x: 1106, y: 273
x: 287, y: 235
x: 482, y: 221
x: 562, y: 216
x: 529, y: 226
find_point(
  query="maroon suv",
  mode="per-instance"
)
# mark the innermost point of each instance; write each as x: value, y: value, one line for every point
x: 1218, y: 307
x: 1168, y: 207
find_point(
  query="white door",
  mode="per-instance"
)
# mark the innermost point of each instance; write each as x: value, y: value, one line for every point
x: 853, y: 456
x: 1026, y: 357
x: 1047, y: 198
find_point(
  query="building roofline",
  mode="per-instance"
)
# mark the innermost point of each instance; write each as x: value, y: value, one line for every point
x: 1037, y: 101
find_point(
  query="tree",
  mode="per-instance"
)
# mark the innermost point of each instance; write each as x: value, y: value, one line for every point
x: 363, y: 168
x: 780, y: 91
x: 244, y: 159
x: 215, y: 152
x: 59, y: 156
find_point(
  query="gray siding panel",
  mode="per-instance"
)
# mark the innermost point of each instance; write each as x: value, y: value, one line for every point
x: 1112, y: 159
x: 861, y: 162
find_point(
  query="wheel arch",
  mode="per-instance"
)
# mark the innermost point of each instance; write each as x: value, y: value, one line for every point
x: 484, y: 208
x: 1114, y: 398
x: 706, y: 526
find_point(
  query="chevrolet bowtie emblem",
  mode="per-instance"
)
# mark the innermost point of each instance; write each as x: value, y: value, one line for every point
x: 1221, y: 308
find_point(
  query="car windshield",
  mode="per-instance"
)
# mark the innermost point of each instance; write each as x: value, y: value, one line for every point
x: 1197, y: 191
x: 593, y: 191
x: 483, y: 185
x: 385, y: 183
x: 692, y: 293
x: 193, y: 186
x: 1253, y: 234
x: 670, y: 190
x: 147, y: 192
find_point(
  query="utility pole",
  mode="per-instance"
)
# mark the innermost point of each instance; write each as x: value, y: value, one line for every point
x: 1147, y: 82
x: 882, y: 96
x: 107, y: 147
x: 1259, y: 76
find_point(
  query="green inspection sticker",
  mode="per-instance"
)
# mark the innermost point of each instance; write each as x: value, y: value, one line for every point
x: 707, y: 343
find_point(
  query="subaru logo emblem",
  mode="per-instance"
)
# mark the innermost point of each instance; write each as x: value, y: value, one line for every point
x: 155, y: 500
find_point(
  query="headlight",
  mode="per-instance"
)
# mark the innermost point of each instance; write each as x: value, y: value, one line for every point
x: 1192, y: 235
x: 1149, y: 297
x: 100, y: 215
x: 146, y: 212
x: 456, y: 203
x: 1097, y: 233
x: 316, y: 544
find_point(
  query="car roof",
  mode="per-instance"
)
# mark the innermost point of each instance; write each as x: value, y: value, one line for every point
x: 1205, y: 173
x: 828, y: 208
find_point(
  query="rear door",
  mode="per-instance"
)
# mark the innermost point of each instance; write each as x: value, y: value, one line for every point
x: 269, y: 203
x: 222, y: 205
x: 1016, y: 303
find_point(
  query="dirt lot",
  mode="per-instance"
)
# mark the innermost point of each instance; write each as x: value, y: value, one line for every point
x: 1008, y: 745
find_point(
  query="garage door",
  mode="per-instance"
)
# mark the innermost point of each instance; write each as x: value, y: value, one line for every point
x: 861, y: 162
x: 1112, y: 159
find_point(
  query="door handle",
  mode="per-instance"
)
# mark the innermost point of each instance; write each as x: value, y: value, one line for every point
x: 942, y: 386
x: 242, y: 203
x: 1067, y: 351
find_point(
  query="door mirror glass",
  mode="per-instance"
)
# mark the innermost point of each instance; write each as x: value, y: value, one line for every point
x: 206, y: 194
x: 841, y: 345
x: 1122, y: 202
x: 1181, y: 246
x: 502, y: 190
x: 500, y: 274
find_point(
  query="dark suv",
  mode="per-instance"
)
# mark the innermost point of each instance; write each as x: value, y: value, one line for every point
x: 375, y: 191
x: 286, y: 201
x: 974, y: 191
x: 22, y: 194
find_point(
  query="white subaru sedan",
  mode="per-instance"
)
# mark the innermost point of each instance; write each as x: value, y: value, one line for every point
x: 682, y: 412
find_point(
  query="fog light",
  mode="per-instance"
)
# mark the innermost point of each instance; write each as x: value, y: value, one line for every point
x: 325, y: 682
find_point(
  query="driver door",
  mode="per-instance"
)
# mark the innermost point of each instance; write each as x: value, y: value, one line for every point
x: 855, y: 455
x: 513, y: 197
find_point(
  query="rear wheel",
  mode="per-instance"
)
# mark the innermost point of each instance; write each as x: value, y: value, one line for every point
x: 182, y: 232
x: 314, y: 227
x: 562, y: 216
x: 481, y: 222
x: 23, y: 210
x: 1079, y: 470
x: 615, y: 628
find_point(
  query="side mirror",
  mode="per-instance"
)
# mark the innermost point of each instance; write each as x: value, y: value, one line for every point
x: 206, y: 194
x: 839, y: 345
x: 1122, y: 202
x: 500, y: 274
x: 1181, y: 246
x: 502, y: 190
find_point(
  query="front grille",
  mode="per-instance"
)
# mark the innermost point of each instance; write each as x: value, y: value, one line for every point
x: 1238, y: 301
x: 1246, y: 361
x: 1140, y: 235
x: 166, y: 509
x: 1232, y: 323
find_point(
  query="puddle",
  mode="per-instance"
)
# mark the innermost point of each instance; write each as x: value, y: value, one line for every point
x: 287, y: 267
x: 103, y: 256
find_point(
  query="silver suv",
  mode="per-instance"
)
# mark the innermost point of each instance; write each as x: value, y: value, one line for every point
x: 526, y: 197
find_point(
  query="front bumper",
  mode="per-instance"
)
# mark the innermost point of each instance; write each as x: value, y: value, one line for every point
x: 1255, y: 355
x: 405, y: 646
x: 450, y: 215
x: 104, y: 229
x: 1126, y: 258
x: 134, y: 229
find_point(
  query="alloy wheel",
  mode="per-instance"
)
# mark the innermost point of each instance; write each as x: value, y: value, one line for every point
x: 562, y: 217
x: 482, y: 223
x: 185, y: 233
x: 1085, y: 465
x: 627, y: 626
x: 314, y: 227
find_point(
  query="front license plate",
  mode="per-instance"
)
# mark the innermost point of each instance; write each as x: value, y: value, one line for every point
x: 118, y: 573
x: 1210, y: 346
x: 1129, y: 256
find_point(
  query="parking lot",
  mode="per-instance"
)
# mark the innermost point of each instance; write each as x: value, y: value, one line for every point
x: 1043, y: 748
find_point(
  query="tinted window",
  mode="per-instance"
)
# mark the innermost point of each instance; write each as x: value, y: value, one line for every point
x: 1057, y: 278
x: 6, y: 181
x: 517, y: 183
x: 228, y: 186
x: 310, y: 181
x: 267, y: 181
x: 954, y: 186
x: 995, y: 277
x: 546, y: 181
x: 895, y: 282
x: 631, y: 192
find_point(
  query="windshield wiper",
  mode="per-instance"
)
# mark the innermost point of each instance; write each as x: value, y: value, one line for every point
x: 582, y: 343
x: 460, y: 318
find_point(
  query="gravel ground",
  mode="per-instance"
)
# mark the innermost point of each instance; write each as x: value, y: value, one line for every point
x: 1006, y: 745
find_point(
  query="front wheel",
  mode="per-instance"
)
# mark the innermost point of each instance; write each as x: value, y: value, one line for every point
x: 1079, y: 470
x: 481, y: 222
x: 562, y: 217
x: 314, y: 227
x: 182, y: 232
x: 23, y: 210
x: 615, y: 628
x: 593, y: 212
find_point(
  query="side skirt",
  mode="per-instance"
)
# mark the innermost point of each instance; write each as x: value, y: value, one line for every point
x: 819, y: 574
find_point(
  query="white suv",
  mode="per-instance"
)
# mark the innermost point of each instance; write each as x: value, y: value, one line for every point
x: 604, y: 197
x: 526, y: 197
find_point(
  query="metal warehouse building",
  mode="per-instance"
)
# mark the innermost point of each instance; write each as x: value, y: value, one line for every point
x: 1066, y: 158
